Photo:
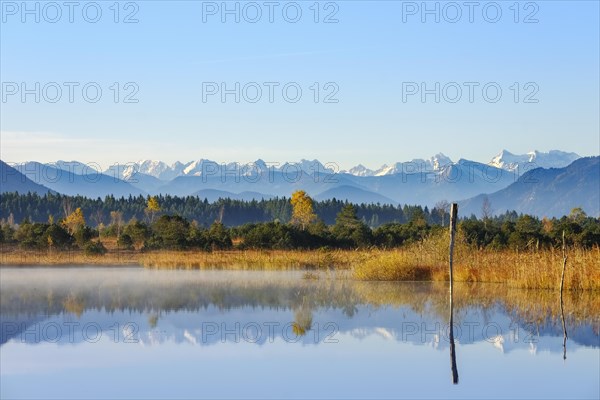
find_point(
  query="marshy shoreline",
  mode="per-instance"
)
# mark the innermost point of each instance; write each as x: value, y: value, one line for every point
x: 426, y: 261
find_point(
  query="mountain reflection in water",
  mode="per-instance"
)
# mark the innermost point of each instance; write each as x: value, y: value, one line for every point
x: 111, y: 308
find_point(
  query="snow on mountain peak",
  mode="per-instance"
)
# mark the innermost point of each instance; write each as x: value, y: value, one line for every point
x: 532, y: 159
x: 439, y: 161
x: 193, y: 168
x: 360, y: 170
x: 432, y: 164
x: 506, y: 160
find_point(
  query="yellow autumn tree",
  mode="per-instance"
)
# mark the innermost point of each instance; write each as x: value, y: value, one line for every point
x: 152, y: 207
x: 303, y: 213
x: 74, y: 221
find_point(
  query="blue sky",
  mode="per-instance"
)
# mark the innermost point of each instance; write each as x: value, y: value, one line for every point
x: 369, y: 58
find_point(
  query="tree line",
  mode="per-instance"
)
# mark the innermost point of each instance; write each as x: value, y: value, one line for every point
x: 38, y: 208
x: 304, y: 228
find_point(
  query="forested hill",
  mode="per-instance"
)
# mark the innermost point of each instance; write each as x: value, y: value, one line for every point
x: 231, y: 212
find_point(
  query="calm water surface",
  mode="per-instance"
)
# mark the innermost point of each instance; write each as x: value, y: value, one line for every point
x: 135, y: 333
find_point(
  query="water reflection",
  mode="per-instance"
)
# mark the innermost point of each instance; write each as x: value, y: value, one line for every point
x: 564, y: 326
x: 344, y: 321
x: 491, y: 313
x: 453, y: 366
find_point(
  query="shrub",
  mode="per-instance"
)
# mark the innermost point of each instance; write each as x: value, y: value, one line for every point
x: 57, y: 236
x: 172, y: 232
x: 6, y: 233
x: 94, y: 249
x: 137, y: 231
x: 152, y: 243
x: 125, y: 241
x: 31, y: 235
x: 218, y: 237
x: 83, y: 235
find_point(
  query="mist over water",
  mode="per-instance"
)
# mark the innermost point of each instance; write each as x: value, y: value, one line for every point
x: 131, y: 332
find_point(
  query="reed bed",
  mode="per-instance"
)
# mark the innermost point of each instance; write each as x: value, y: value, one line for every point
x: 532, y: 270
x: 255, y: 259
x: 423, y: 261
x: 18, y: 257
x: 428, y: 261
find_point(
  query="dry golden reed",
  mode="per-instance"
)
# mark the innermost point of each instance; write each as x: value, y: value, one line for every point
x: 533, y: 269
x: 254, y: 259
x: 423, y: 261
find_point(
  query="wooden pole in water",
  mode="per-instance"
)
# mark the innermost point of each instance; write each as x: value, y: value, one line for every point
x: 453, y: 215
x: 452, y: 346
x: 562, y: 283
x: 562, y: 277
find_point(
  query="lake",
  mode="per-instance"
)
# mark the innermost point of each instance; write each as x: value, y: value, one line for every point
x: 130, y: 332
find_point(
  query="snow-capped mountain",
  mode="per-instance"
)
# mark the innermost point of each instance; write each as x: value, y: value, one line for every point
x: 200, y: 167
x: 517, y: 163
x: 419, y: 181
x: 160, y: 170
x: 205, y: 167
x: 417, y: 165
x: 360, y: 170
x: 156, y: 169
x: 521, y: 163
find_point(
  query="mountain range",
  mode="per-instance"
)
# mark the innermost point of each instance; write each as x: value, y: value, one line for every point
x: 504, y: 160
x: 560, y: 182
x: 551, y: 192
x: 533, y: 159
